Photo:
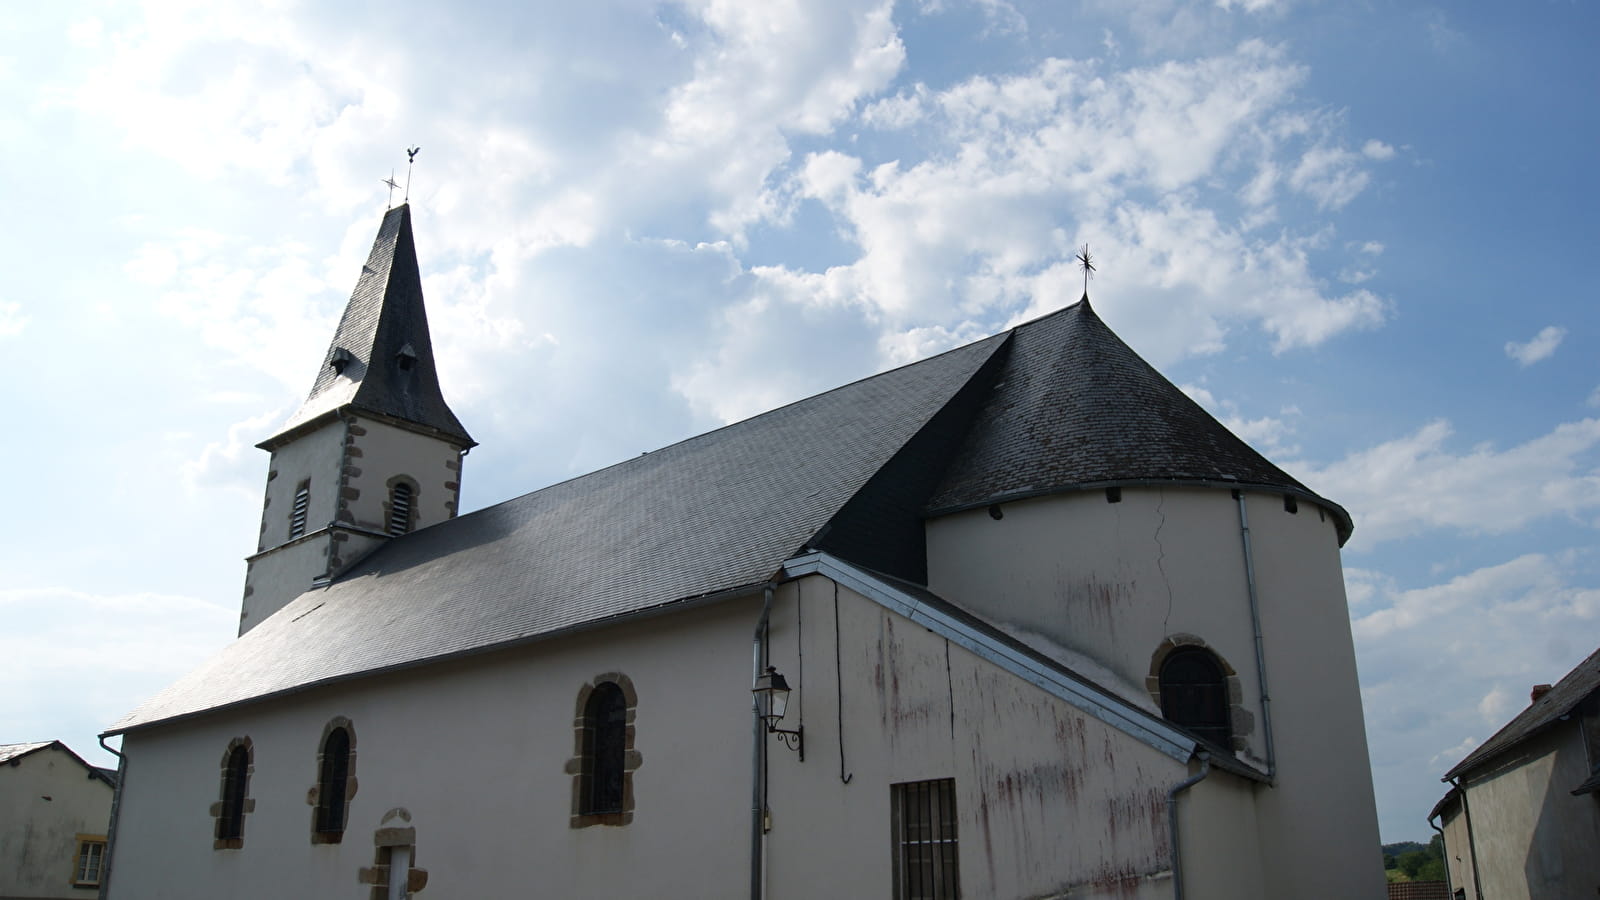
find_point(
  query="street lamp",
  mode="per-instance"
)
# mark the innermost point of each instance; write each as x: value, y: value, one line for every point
x: 772, y: 701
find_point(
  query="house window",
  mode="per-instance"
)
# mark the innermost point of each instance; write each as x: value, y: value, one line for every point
x: 336, y: 783
x: 923, y: 817
x: 89, y: 861
x: 1194, y: 694
x: 602, y: 769
x: 401, y: 503
x: 297, y: 513
x: 229, y: 811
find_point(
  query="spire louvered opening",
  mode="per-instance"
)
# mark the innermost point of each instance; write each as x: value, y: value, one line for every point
x: 400, y: 507
x: 297, y: 513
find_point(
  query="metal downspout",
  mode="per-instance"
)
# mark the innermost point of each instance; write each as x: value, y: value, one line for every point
x: 111, y: 829
x: 1255, y: 623
x: 1472, y: 842
x: 1448, y: 887
x: 758, y: 744
x: 1172, y: 820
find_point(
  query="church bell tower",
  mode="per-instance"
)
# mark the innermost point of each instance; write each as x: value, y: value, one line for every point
x: 373, y: 453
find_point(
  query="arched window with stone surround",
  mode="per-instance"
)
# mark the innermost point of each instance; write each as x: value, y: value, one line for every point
x: 230, y: 808
x: 604, y: 759
x: 1194, y: 694
x: 330, y: 799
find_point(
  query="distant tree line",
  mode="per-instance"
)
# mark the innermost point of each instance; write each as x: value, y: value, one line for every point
x: 1416, y: 861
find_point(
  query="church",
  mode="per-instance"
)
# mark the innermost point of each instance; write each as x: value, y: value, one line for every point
x: 1039, y: 593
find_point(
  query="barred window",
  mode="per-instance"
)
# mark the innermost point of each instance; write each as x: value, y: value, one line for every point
x: 925, y: 849
x: 1194, y: 694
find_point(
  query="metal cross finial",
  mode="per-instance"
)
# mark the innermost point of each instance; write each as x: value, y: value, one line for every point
x: 411, y: 159
x: 391, y: 183
x: 1086, y: 263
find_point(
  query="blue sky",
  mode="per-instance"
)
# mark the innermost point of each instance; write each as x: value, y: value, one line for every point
x: 1359, y: 232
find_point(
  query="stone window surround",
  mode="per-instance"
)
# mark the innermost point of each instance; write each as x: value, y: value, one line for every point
x: 249, y: 804
x: 1241, y: 721
x: 581, y: 765
x: 388, y: 502
x: 312, y: 795
x: 395, y: 830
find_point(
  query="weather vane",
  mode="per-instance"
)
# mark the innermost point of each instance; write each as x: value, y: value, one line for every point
x: 1086, y: 263
x: 391, y: 183
x: 411, y: 159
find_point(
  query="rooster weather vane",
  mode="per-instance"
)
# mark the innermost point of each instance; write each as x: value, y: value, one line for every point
x: 411, y: 160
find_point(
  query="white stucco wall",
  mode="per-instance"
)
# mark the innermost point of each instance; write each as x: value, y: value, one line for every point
x: 1114, y: 580
x: 1533, y: 838
x: 379, y: 452
x: 1049, y: 799
x: 352, y: 464
x: 38, y: 836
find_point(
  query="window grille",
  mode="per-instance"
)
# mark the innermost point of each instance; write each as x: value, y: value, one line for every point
x: 925, y: 849
x: 91, y: 858
x: 230, y: 824
x: 606, y: 739
x: 400, y: 508
x: 332, y: 783
x: 297, y: 514
x: 1194, y: 694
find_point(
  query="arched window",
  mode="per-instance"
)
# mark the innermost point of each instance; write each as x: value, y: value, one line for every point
x: 605, y: 732
x: 334, y: 783
x: 401, y: 502
x: 1194, y: 694
x: 604, y: 758
x: 230, y: 809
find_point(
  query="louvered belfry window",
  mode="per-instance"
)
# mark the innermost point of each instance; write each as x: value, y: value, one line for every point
x: 400, y: 508
x: 297, y: 513
x: 925, y: 850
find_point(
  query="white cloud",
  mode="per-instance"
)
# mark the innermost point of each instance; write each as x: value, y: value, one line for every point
x: 1445, y: 664
x: 1418, y: 483
x: 12, y: 321
x: 1376, y: 149
x: 1542, y: 346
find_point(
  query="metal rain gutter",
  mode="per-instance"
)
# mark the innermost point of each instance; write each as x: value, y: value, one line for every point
x: 1255, y: 624
x: 111, y: 829
x: 1111, y: 710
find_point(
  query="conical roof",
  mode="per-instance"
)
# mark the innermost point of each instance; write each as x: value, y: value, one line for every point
x: 1074, y: 407
x: 381, y: 357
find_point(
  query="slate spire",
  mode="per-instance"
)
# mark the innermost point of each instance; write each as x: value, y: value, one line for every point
x: 381, y: 357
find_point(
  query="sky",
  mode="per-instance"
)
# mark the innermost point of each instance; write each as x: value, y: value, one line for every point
x: 1359, y: 232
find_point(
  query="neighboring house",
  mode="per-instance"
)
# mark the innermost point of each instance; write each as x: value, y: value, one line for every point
x: 1522, y: 816
x: 54, y: 808
x: 1010, y: 614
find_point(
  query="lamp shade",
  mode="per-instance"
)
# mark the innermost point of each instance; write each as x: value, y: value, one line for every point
x: 772, y: 695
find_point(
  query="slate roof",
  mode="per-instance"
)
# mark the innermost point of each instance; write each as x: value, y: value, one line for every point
x: 15, y: 752
x: 714, y: 513
x: 1059, y: 403
x: 1562, y: 698
x: 384, y: 321
x: 1076, y: 407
